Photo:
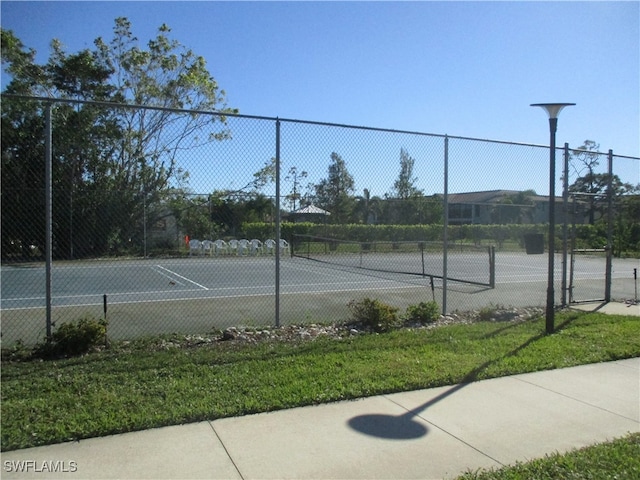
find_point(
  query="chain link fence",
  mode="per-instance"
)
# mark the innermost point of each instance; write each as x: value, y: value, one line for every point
x: 166, y: 221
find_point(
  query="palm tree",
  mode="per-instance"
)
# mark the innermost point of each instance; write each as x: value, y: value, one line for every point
x: 367, y: 208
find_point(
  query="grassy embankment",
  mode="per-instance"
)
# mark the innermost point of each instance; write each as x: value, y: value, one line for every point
x: 149, y: 383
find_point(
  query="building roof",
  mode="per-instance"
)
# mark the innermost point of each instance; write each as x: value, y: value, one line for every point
x: 310, y: 209
x: 489, y: 197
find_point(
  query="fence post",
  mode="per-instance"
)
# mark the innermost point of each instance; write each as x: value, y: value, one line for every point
x: 48, y: 207
x: 492, y: 266
x: 277, y: 222
x: 144, y: 223
x: 445, y: 235
x: 609, y: 247
x: 565, y: 215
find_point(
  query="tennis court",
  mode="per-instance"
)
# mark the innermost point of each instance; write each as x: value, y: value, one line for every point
x: 198, y: 294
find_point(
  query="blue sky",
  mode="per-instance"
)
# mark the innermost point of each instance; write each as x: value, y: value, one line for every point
x: 461, y: 68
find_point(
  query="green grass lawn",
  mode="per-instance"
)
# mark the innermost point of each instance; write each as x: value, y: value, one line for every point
x: 141, y: 385
x: 618, y: 459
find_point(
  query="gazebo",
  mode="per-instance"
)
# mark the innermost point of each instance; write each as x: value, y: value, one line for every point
x: 309, y: 213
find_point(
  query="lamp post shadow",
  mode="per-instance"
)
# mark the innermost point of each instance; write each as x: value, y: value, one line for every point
x: 398, y: 427
x: 405, y: 427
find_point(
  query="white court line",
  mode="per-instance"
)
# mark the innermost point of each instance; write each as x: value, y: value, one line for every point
x: 521, y: 266
x: 354, y: 286
x: 88, y: 295
x: 217, y: 297
x: 167, y: 276
x: 180, y: 276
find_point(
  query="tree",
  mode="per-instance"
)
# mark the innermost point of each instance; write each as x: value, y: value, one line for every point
x: 592, y: 188
x: 120, y: 159
x: 222, y: 214
x: 22, y: 192
x: 82, y: 137
x: 294, y: 176
x: 166, y: 75
x: 627, y: 222
x: 334, y: 192
x: 405, y: 200
x: 584, y: 160
x: 405, y: 186
x: 193, y: 214
x: 516, y: 208
x: 21, y: 153
x: 20, y: 64
x: 595, y: 186
x: 585, y: 157
x: 367, y: 208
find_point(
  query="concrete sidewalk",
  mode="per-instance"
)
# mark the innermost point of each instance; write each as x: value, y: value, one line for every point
x: 427, y: 434
x: 611, y: 308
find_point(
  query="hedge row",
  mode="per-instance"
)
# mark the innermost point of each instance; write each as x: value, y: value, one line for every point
x: 503, y: 236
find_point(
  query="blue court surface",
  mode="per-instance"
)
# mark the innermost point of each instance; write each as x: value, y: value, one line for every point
x: 152, y: 296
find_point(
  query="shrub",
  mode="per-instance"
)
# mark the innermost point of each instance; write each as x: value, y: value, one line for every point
x: 424, y: 312
x: 74, y: 338
x: 374, y: 314
x: 488, y: 313
x: 17, y: 352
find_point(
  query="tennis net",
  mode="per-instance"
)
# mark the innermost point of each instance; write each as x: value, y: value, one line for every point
x: 465, y: 263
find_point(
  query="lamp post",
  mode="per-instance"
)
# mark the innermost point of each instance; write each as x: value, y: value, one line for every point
x: 553, y: 110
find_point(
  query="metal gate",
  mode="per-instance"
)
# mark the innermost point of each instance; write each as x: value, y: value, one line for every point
x: 587, y: 275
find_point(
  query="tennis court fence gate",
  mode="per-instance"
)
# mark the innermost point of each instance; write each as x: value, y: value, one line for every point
x: 95, y: 194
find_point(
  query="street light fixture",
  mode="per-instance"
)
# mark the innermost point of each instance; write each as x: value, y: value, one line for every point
x: 553, y: 110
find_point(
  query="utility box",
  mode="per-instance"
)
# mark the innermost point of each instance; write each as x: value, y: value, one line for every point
x: 534, y: 243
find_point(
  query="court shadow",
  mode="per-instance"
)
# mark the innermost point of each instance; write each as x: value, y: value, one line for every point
x: 468, y: 289
x: 591, y: 307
